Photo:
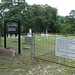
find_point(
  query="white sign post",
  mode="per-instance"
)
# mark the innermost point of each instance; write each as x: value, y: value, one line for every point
x: 65, y: 47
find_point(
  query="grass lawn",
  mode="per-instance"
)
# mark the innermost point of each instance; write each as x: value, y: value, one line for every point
x: 45, y: 49
x: 23, y: 65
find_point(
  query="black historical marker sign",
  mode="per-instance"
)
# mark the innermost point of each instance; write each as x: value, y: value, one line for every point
x: 12, y: 27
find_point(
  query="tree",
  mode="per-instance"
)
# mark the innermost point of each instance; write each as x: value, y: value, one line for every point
x: 38, y: 17
x: 12, y: 10
x: 46, y: 17
x: 68, y: 29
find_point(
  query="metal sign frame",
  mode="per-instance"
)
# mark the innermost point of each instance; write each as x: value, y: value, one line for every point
x: 8, y: 29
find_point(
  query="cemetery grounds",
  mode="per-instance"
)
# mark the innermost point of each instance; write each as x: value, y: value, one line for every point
x: 23, y: 65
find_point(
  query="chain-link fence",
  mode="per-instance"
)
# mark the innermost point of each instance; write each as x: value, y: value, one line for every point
x: 57, y: 48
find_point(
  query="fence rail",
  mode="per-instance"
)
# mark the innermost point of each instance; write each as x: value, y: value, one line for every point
x: 56, y: 48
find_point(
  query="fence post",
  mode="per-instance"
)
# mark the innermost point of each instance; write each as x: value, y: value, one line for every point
x: 4, y: 34
x: 0, y: 40
x: 19, y: 45
x: 32, y: 46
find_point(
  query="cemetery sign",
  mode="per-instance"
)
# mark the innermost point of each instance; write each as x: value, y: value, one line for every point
x: 12, y: 27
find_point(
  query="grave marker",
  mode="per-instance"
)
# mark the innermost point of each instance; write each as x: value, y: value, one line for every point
x: 47, y: 33
x: 15, y: 40
x: 13, y: 36
x: 8, y: 35
x: 28, y: 40
x: 30, y: 33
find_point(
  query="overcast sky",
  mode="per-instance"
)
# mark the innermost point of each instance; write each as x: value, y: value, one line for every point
x: 64, y: 6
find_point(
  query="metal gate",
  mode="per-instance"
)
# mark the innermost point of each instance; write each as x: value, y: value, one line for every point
x: 46, y: 47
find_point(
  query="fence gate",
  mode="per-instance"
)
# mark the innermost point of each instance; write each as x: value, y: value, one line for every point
x: 56, y: 48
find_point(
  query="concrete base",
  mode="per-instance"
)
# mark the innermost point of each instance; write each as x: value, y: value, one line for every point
x: 7, y: 52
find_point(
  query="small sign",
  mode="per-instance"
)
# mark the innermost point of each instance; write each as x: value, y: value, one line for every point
x: 11, y: 27
x: 65, y: 47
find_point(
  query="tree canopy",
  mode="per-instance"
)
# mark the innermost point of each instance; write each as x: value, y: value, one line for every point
x: 37, y: 17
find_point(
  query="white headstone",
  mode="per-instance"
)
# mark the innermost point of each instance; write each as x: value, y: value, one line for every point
x: 13, y: 36
x: 30, y: 33
x: 46, y: 31
x: 47, y: 34
x: 8, y: 35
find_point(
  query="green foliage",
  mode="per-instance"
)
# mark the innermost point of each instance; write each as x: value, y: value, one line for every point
x: 37, y: 17
x: 67, y: 23
x: 68, y: 29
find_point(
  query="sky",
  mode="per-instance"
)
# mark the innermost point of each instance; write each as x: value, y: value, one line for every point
x: 64, y: 6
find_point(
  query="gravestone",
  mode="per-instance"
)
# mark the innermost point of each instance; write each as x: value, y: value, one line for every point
x: 15, y: 40
x: 2, y: 45
x: 30, y: 33
x: 8, y: 35
x: 13, y: 36
x: 11, y: 46
x: 47, y: 33
x: 28, y: 40
x: 27, y: 48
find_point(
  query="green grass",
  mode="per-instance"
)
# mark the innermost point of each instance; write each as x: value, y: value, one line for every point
x: 23, y: 65
x: 45, y: 49
x: 11, y: 43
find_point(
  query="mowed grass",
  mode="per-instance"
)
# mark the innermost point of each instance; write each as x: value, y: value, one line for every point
x: 23, y: 65
x: 45, y: 49
x: 9, y: 42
